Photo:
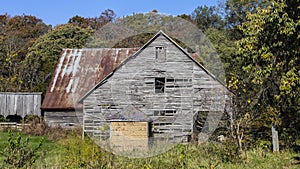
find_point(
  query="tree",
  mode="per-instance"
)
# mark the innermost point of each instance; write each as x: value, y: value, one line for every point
x: 94, y: 23
x: 225, y: 47
x: 267, y: 76
x: 186, y: 17
x: 17, y: 34
x: 236, y: 14
x: 207, y: 17
x: 43, y: 56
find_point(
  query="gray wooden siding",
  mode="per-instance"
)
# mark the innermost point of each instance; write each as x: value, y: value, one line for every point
x: 21, y: 104
x: 65, y: 118
x: 188, y: 90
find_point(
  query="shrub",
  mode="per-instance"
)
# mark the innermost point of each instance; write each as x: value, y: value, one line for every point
x: 18, y: 153
x: 230, y: 152
x: 35, y: 127
x: 30, y: 118
x: 38, y: 127
x: 3, y: 119
x: 84, y: 153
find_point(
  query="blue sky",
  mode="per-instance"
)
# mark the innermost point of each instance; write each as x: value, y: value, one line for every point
x: 59, y: 11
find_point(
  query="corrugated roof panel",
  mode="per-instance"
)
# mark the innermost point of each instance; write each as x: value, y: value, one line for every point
x: 78, y: 70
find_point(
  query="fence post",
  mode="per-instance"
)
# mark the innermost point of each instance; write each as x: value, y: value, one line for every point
x: 275, y: 141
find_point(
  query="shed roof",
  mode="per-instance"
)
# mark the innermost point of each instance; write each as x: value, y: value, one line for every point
x: 77, y: 71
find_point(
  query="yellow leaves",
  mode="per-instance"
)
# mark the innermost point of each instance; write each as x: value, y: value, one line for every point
x: 290, y: 81
x: 233, y: 83
x: 247, y: 116
x: 265, y: 53
x: 255, y: 81
x: 249, y: 46
x: 146, y: 166
x: 277, y: 97
x: 267, y: 56
x: 265, y: 10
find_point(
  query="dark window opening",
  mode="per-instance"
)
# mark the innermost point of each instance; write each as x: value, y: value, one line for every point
x: 161, y: 124
x: 164, y: 112
x: 160, y: 85
x: 170, y: 112
x: 158, y: 51
x: 159, y: 113
x: 170, y: 79
x: 108, y: 106
x: 178, y: 83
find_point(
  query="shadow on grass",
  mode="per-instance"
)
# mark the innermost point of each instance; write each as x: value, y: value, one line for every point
x: 297, y: 158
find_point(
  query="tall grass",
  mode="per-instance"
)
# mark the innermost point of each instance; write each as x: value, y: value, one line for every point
x: 65, y: 149
x: 78, y: 153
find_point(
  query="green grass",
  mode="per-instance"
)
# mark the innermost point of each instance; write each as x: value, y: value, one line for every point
x: 73, y: 152
x: 46, y: 153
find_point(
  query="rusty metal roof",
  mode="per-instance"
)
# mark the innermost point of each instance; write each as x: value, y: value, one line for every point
x: 77, y: 71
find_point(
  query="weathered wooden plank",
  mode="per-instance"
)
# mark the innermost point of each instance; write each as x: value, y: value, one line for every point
x: 3, y: 105
x: 275, y: 141
x: 19, y: 103
x: 68, y: 119
x: 36, y: 106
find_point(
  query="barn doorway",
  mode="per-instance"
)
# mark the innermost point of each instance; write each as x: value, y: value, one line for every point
x: 201, y: 126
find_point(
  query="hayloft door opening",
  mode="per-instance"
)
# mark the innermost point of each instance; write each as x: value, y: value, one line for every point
x: 160, y: 84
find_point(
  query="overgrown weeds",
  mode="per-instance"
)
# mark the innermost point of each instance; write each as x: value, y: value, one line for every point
x: 38, y: 127
x: 18, y: 153
x: 68, y: 150
x: 74, y: 152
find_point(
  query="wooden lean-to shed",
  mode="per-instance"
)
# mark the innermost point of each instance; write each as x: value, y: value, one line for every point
x: 20, y: 104
x: 161, y: 85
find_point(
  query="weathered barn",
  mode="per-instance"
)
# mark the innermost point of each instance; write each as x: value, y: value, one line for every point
x: 20, y: 104
x: 160, y: 85
x: 77, y: 71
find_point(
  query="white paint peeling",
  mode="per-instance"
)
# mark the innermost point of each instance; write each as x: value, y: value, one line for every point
x: 65, y: 66
x: 69, y: 86
x: 75, y: 84
x: 117, y: 54
x: 73, y: 67
x: 68, y: 69
x: 76, y: 63
x: 58, y: 70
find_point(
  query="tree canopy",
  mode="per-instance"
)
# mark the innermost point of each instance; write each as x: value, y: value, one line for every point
x: 267, y: 76
x: 96, y: 22
x: 207, y: 17
x: 17, y: 34
x: 43, y: 56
